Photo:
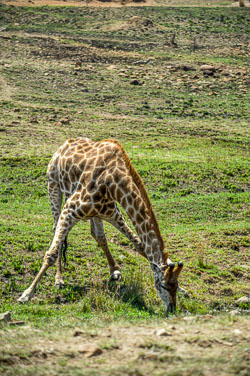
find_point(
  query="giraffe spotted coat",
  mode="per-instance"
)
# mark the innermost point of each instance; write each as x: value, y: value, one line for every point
x: 93, y: 177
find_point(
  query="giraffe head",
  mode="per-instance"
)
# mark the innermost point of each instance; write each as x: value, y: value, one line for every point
x: 166, y: 282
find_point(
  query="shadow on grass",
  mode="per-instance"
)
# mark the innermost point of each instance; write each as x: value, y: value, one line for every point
x: 131, y: 293
x: 103, y: 296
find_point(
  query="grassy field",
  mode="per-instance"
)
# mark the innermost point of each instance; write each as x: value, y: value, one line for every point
x: 133, y: 74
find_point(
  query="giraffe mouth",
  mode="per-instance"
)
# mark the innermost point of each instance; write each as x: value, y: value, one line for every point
x: 171, y: 309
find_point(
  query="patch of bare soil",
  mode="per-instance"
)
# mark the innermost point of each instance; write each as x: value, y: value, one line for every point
x: 95, y: 51
x: 116, y: 3
x: 79, y: 3
x: 193, y: 345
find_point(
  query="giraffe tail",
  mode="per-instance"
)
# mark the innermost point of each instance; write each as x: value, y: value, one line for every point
x: 64, y: 251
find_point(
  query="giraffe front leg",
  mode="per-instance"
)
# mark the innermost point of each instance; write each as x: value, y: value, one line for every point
x: 65, y: 223
x: 118, y: 221
x: 97, y: 232
x: 49, y: 259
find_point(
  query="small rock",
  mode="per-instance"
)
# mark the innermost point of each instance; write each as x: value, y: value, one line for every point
x: 58, y: 124
x: 208, y: 316
x: 237, y: 332
x: 78, y: 332
x: 234, y: 312
x: 189, y: 318
x: 208, y: 68
x: 15, y: 323
x: 64, y: 120
x: 243, y: 299
x: 6, y: 316
x: 163, y: 333
x: 90, y: 350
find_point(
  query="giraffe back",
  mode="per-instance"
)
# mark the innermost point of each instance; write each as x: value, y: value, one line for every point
x: 104, y: 171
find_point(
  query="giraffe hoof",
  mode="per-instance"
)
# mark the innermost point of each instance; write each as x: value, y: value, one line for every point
x: 183, y: 291
x: 116, y: 276
x: 59, y: 283
x: 26, y: 296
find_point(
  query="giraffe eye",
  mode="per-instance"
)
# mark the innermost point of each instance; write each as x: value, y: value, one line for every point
x: 169, y: 286
x: 164, y: 287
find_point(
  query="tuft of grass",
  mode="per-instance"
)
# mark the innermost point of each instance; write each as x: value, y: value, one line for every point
x: 202, y: 261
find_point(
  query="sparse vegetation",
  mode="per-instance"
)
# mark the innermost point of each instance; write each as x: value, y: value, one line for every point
x: 67, y: 71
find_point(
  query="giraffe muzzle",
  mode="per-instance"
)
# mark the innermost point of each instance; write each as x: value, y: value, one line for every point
x: 171, y: 309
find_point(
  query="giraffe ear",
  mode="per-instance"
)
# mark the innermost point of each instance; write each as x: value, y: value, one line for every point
x: 165, y: 258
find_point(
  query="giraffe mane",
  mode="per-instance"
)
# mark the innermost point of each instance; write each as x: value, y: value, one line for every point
x: 139, y: 183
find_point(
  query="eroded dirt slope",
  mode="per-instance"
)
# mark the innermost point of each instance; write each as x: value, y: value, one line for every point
x: 193, y: 345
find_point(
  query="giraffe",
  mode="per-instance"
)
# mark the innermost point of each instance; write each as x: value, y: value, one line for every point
x: 93, y: 177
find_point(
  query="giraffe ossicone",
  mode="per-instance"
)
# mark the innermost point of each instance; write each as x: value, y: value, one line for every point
x: 93, y: 177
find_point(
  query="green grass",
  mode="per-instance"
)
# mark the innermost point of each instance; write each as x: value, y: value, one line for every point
x: 67, y: 72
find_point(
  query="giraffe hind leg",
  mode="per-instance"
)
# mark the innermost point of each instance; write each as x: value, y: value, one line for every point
x: 59, y: 282
x: 64, y: 250
x: 65, y: 244
x: 55, y: 198
x: 98, y: 234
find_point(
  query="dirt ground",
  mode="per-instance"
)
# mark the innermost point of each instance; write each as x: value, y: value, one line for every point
x: 78, y: 3
x: 192, y: 345
x: 118, y: 3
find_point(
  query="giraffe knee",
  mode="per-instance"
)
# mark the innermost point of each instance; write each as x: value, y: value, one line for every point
x: 93, y: 234
x: 50, y: 258
x: 101, y: 240
x: 115, y: 274
x: 138, y: 244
